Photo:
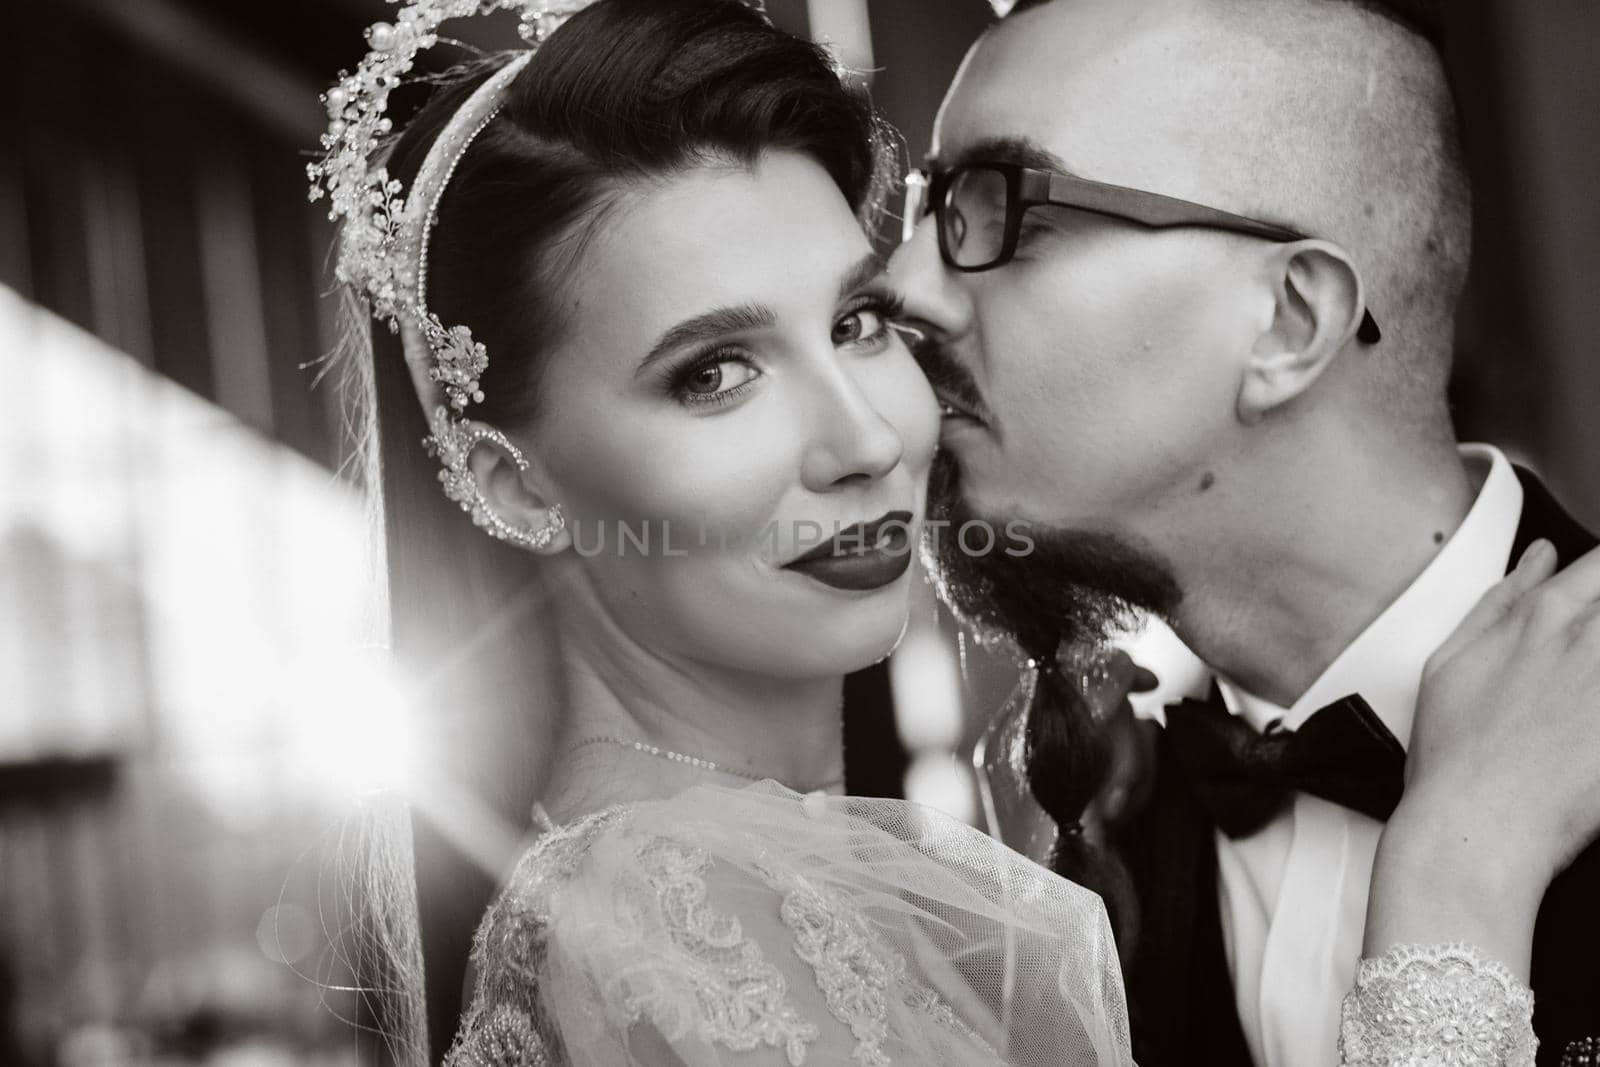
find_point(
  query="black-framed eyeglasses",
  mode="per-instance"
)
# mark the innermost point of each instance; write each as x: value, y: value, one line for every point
x: 978, y: 209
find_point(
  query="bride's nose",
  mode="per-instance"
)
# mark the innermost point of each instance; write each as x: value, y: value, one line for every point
x: 850, y: 440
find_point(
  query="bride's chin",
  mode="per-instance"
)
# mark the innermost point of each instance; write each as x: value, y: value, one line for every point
x: 839, y: 633
x: 877, y: 642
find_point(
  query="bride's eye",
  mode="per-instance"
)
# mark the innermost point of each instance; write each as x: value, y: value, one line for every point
x: 861, y: 325
x: 866, y: 324
x: 715, y: 379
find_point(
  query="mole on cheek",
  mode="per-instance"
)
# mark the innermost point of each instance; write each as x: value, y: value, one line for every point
x: 1207, y: 480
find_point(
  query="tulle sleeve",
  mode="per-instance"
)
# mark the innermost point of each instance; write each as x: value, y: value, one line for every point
x: 756, y: 926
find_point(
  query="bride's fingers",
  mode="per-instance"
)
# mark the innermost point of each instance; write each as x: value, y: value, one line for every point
x: 1536, y: 564
x: 1579, y: 584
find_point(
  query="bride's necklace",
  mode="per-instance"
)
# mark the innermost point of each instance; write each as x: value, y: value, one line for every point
x: 692, y: 761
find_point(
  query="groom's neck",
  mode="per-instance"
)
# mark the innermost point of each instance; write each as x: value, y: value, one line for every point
x: 1284, y: 576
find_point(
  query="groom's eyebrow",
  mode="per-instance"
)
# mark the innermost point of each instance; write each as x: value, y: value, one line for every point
x: 1019, y: 151
x: 866, y: 268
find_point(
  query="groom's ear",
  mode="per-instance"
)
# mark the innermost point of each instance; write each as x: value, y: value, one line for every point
x: 1317, y: 308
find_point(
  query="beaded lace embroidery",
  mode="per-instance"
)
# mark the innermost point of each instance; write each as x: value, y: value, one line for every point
x: 1584, y: 1052
x: 743, y: 998
x: 854, y: 978
x: 855, y: 972
x: 502, y: 1036
x: 505, y: 1026
x: 1439, y: 1006
x: 737, y: 997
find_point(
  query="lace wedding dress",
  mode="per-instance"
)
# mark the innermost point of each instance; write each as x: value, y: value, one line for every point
x: 759, y: 926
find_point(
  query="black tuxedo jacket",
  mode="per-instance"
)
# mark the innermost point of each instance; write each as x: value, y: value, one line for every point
x: 1180, y: 995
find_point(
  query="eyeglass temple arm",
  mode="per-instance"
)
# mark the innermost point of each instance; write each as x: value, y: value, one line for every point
x: 1160, y: 212
x: 1154, y: 209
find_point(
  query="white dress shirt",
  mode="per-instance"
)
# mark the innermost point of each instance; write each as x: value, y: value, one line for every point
x: 1293, y: 895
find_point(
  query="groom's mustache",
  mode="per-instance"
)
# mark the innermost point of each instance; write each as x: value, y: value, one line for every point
x: 949, y: 378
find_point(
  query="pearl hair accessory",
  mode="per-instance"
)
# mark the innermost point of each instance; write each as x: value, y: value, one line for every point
x: 384, y: 237
x: 452, y: 443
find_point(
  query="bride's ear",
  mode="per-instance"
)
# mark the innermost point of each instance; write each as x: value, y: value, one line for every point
x: 514, y: 492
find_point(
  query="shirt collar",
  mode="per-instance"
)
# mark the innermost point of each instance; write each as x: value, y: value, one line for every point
x: 1384, y: 663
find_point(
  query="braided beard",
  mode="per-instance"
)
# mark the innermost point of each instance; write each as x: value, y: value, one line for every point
x: 1074, y: 588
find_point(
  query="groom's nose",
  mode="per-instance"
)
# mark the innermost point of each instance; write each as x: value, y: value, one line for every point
x: 936, y: 302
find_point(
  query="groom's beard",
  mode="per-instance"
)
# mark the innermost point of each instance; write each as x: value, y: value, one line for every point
x: 1073, y: 586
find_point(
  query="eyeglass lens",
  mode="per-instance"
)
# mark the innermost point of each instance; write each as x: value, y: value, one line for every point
x: 974, y: 216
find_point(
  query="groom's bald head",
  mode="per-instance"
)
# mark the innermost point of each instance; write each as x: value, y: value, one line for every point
x: 1330, y: 116
x: 1141, y: 382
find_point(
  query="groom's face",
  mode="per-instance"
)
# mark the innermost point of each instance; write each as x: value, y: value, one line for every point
x: 1104, y: 358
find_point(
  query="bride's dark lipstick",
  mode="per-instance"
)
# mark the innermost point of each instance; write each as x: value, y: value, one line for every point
x: 868, y: 555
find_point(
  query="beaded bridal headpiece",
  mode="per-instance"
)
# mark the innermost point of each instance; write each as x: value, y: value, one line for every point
x: 383, y: 248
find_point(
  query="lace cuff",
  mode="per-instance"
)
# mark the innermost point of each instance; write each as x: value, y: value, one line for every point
x: 1442, y: 1005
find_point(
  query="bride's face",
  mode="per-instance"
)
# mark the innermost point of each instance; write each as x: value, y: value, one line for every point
x: 729, y: 394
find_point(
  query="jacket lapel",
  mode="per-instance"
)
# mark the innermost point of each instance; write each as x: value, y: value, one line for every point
x: 1566, y: 939
x: 1543, y: 517
x: 1180, y: 995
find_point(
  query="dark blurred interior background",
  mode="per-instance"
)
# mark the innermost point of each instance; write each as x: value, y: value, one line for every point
x: 173, y: 522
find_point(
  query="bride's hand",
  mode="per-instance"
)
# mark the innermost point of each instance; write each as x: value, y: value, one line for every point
x: 1503, y: 768
x: 1508, y: 720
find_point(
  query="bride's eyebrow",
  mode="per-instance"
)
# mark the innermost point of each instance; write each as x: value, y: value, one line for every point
x: 743, y: 318
x: 709, y: 326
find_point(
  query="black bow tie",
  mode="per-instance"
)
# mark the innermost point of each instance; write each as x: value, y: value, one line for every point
x: 1343, y: 753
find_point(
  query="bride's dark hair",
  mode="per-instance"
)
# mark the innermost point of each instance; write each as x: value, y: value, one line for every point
x: 627, y: 93
x: 1059, y: 604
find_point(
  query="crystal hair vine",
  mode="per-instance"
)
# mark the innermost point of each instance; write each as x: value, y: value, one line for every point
x: 384, y: 235
x: 385, y: 230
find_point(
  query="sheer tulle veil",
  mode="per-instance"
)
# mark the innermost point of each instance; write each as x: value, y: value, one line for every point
x: 457, y: 615
x: 377, y: 931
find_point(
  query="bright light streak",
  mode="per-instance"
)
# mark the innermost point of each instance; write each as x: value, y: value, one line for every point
x: 927, y: 688
x: 348, y: 724
x: 938, y: 781
x: 843, y: 26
